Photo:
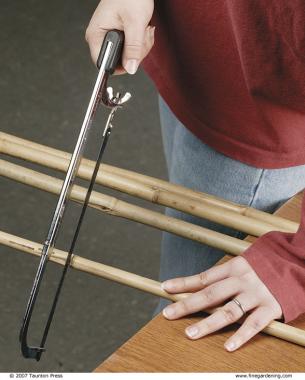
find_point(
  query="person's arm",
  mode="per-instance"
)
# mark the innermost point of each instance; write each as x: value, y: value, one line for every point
x: 268, y: 282
x: 279, y: 260
x: 130, y: 16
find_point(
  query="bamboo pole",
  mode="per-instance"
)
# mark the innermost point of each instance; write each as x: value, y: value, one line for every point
x: 88, y: 266
x: 277, y: 329
x: 241, y: 218
x: 114, y: 206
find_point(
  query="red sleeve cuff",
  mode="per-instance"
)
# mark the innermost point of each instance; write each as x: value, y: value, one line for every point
x: 280, y: 264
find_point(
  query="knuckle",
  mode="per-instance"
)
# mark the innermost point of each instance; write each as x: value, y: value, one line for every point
x: 249, y: 279
x: 237, y: 266
x: 183, y: 283
x: 183, y: 307
x: 134, y: 44
x: 209, y: 295
x: 203, y: 277
x: 177, y: 284
x: 133, y: 49
x: 255, y: 325
x: 229, y: 315
x: 207, y: 325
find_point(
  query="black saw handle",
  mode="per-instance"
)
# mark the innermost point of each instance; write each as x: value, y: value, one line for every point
x: 116, y: 37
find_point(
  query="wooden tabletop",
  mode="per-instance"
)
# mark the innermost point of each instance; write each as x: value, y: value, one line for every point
x: 161, y: 346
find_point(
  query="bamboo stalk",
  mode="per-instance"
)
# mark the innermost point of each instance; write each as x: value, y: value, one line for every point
x: 242, y: 218
x: 277, y: 329
x: 114, y: 206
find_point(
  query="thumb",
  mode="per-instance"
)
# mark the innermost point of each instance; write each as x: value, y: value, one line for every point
x: 133, y: 47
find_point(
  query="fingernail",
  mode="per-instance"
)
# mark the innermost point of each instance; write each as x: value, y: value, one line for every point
x: 168, y: 312
x: 192, y: 331
x: 230, y: 346
x: 164, y: 285
x: 131, y: 66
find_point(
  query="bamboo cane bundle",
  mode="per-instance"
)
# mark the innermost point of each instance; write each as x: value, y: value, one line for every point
x: 241, y: 218
x: 277, y: 329
x: 156, y: 195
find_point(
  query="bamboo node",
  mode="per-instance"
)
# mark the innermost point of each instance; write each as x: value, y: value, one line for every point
x: 155, y: 195
x: 111, y: 208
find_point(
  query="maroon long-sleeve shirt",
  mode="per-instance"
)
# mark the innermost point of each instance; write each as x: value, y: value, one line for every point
x: 233, y: 72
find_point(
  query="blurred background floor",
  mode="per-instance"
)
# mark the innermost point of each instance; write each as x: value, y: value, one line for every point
x: 46, y: 77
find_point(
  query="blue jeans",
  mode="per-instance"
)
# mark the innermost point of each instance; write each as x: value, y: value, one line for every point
x: 193, y: 164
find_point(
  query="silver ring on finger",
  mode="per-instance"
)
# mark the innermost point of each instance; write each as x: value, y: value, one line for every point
x: 239, y: 305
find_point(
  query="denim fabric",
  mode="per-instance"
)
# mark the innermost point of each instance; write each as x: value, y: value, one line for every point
x: 193, y: 164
